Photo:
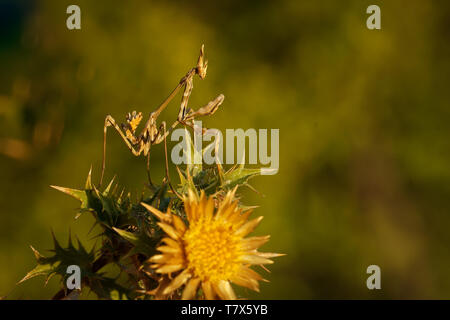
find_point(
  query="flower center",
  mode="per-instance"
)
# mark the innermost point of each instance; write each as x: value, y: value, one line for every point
x: 212, y: 250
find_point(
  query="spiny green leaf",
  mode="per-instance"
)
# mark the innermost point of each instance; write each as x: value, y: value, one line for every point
x: 108, y: 288
x: 44, y: 269
x: 239, y: 176
x: 88, y: 185
x: 141, y: 242
x: 60, y: 260
x: 108, y: 188
x: 77, y: 194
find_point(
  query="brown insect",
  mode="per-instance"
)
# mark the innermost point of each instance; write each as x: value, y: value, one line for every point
x: 152, y: 134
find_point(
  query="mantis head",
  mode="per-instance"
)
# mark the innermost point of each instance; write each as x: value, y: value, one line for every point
x: 202, y: 63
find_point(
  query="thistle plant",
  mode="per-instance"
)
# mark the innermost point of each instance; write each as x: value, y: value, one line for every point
x: 169, y: 248
x: 188, y: 241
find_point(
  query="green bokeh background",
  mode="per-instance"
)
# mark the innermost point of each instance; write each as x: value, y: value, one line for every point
x: 363, y: 116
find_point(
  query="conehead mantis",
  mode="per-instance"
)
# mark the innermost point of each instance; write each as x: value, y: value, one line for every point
x: 151, y: 133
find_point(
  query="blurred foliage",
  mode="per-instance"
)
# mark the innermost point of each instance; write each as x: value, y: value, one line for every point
x: 363, y: 118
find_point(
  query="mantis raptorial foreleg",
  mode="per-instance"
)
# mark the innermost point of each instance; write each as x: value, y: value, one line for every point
x: 206, y: 110
x: 109, y: 121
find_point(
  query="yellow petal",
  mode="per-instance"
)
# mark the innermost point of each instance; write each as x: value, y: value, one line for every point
x: 224, y: 290
x: 208, y: 208
x: 230, y: 210
x: 191, y: 209
x: 171, y: 242
x: 238, y: 218
x: 192, y: 196
x: 253, y: 242
x: 191, y: 289
x: 246, y: 272
x: 158, y: 258
x: 170, y: 268
x: 252, y: 284
x: 270, y: 254
x: 157, y: 292
x: 222, y: 207
x: 179, y: 224
x: 177, y: 282
x: 208, y: 290
x: 202, y: 196
x: 248, y: 227
x: 169, y: 249
x: 242, y: 218
x: 174, y: 259
x: 233, y: 192
x: 255, y: 259
x: 188, y: 210
x: 161, y: 216
x: 171, y: 232
x: 210, y: 205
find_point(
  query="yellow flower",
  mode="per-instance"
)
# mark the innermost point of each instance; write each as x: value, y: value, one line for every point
x: 212, y: 251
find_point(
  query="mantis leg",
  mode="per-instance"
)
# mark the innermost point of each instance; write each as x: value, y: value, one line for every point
x: 189, y: 85
x: 208, y: 109
x: 109, y: 121
x: 187, y: 82
x: 163, y: 126
x: 183, y: 82
x: 148, y: 170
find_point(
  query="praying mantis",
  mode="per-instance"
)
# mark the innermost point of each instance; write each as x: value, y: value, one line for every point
x: 151, y: 134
